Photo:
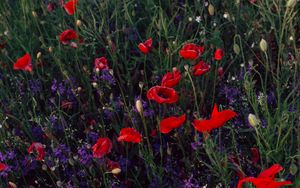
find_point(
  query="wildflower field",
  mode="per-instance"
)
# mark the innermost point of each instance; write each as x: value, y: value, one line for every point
x: 149, y: 93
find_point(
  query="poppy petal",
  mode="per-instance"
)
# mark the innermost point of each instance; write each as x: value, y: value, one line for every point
x: 24, y: 63
x: 70, y: 6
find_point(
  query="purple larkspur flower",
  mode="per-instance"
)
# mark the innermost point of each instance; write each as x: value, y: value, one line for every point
x: 54, y: 86
x: 37, y: 133
x: 62, y: 152
x: 93, y: 136
x: 196, y: 145
x: 35, y: 86
x: 106, y: 76
x: 190, y: 183
x: 85, y: 157
x: 231, y: 93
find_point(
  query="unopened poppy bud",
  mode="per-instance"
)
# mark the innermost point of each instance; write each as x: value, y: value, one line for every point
x: 211, y: 9
x: 253, y: 121
x: 12, y: 185
x: 39, y: 55
x: 34, y: 14
x: 116, y: 171
x: 78, y: 23
x: 111, y: 72
x: 263, y: 45
x: 50, y: 49
x: 139, y: 106
x: 141, y: 85
x: 186, y: 67
x: 174, y: 69
x: 236, y: 49
x: 291, y: 3
x: 94, y: 84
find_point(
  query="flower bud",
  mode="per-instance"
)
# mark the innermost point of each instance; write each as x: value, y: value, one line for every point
x: 12, y: 185
x: 139, y: 106
x: 116, y: 171
x: 78, y: 23
x: 39, y: 55
x: 291, y: 3
x: 34, y: 14
x: 253, y: 121
x: 186, y: 67
x: 263, y: 45
x: 211, y: 9
x: 50, y: 49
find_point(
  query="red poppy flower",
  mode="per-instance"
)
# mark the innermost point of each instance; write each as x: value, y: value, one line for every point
x: 218, y: 119
x: 219, y: 53
x: 191, y: 51
x: 266, y: 179
x: 23, y: 63
x: 170, y: 123
x: 38, y: 147
x: 162, y: 94
x: 200, y: 68
x: 101, y: 63
x: 102, y: 147
x: 67, y: 35
x: 70, y: 6
x: 2, y: 166
x: 255, y: 155
x: 146, y: 46
x: 130, y: 135
x: 171, y: 79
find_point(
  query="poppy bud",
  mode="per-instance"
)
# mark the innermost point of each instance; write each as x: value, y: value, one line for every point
x: 139, y: 106
x: 141, y: 85
x: 78, y: 23
x: 50, y: 49
x: 253, y: 121
x: 34, y: 14
x: 12, y: 185
x: 116, y: 171
x: 186, y: 67
x: 39, y: 55
x: 291, y: 3
x: 263, y: 45
x: 236, y: 49
x: 94, y: 84
x: 211, y: 9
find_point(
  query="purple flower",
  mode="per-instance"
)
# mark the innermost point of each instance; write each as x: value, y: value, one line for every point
x: 106, y: 76
x: 62, y: 152
x: 84, y: 155
x: 35, y: 86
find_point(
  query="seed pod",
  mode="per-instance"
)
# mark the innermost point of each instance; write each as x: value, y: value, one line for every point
x: 211, y: 9
x: 263, y: 45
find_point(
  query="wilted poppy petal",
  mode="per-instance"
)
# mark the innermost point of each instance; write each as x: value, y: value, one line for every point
x: 24, y: 63
x: 255, y: 155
